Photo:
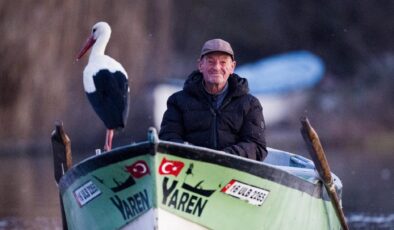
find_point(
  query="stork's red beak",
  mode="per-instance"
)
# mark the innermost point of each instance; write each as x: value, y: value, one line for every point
x: 89, y: 43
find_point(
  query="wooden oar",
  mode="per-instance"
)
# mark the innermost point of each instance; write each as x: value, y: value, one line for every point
x: 62, y: 161
x: 316, y: 151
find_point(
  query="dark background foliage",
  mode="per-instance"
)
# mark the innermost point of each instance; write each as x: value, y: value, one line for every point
x: 155, y: 40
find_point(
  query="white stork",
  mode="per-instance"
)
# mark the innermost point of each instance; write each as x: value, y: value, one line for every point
x: 105, y: 82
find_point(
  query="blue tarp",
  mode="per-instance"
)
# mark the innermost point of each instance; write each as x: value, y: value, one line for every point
x: 283, y: 73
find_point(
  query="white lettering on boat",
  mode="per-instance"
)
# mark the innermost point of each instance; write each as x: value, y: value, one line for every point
x: 133, y: 205
x: 86, y: 193
x: 249, y: 193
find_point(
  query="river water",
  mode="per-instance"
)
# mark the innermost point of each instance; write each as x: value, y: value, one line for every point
x: 29, y: 197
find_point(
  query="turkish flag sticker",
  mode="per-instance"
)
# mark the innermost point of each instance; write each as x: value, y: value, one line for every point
x: 138, y: 169
x: 168, y: 167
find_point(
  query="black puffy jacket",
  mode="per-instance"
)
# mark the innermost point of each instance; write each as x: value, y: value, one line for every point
x: 236, y: 127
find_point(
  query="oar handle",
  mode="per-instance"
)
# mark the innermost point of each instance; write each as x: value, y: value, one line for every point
x: 62, y: 160
x: 61, y: 146
x: 316, y: 151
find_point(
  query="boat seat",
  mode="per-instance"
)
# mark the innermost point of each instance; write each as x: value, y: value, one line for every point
x: 299, y: 166
x: 283, y: 158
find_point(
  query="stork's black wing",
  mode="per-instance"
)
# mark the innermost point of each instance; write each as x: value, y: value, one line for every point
x: 111, y: 98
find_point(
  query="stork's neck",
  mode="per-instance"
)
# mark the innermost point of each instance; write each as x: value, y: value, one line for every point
x: 99, y: 46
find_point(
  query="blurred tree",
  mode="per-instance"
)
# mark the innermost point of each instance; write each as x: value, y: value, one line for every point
x: 40, y: 80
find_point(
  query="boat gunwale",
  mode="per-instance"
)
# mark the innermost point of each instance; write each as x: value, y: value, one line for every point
x: 97, y: 161
x: 256, y: 168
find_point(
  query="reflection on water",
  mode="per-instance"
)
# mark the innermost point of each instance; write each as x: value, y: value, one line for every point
x: 38, y: 223
x: 29, y: 198
x: 27, y: 186
x: 364, y: 221
x: 29, y: 195
x: 354, y: 220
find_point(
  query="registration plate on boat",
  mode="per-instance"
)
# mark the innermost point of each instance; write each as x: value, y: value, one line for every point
x: 253, y: 195
x: 86, y: 193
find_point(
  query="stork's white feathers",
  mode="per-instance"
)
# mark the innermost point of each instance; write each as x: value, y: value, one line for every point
x: 100, y: 62
x: 101, y: 32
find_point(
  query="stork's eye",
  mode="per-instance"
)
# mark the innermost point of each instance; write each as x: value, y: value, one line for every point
x: 94, y: 30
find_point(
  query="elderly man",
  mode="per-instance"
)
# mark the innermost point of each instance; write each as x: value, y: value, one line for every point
x: 215, y: 109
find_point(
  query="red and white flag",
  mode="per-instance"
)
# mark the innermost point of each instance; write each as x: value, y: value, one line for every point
x: 138, y: 169
x: 168, y: 167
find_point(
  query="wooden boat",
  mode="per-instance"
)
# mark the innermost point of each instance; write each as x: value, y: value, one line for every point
x: 164, y: 185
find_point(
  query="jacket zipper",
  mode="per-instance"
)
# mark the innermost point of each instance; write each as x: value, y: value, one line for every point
x: 215, y: 122
x: 214, y: 128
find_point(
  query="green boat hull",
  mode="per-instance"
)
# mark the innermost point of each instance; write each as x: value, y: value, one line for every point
x: 164, y: 185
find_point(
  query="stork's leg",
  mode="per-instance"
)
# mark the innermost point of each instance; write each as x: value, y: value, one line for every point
x: 108, y: 139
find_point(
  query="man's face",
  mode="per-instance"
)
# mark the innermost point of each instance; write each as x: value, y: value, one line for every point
x: 216, y: 67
